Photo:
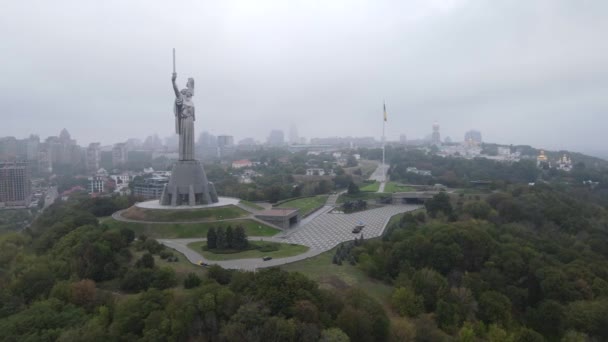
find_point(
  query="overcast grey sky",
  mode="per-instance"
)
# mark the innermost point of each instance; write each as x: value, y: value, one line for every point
x: 523, y: 72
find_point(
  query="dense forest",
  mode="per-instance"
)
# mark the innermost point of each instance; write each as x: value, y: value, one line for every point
x: 528, y: 264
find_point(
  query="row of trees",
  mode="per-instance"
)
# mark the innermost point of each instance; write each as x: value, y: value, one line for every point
x: 227, y: 239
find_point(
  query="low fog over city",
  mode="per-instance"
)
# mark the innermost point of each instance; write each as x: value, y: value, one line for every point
x: 521, y: 72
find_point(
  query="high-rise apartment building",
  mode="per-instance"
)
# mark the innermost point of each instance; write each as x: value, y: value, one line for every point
x: 15, y: 184
x: 436, y: 136
x: 93, y: 157
x: 119, y: 155
x: 276, y: 138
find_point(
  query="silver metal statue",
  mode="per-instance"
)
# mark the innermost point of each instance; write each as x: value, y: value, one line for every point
x: 184, y: 116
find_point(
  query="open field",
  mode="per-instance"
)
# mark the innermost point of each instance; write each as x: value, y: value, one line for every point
x: 191, y: 230
x: 372, y: 187
x: 285, y: 250
x: 306, y: 205
x: 330, y: 276
x: 182, y: 215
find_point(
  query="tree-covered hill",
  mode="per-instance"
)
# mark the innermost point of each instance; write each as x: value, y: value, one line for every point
x: 528, y: 264
x: 72, y: 278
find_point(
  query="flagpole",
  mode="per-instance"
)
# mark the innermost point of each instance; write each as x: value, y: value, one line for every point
x: 383, y: 143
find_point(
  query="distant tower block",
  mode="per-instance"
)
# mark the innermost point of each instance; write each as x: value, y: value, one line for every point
x: 436, y: 137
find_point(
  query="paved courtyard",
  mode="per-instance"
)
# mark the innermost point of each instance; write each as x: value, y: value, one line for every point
x: 328, y: 230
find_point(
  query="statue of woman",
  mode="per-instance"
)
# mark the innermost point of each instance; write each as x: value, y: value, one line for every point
x: 184, y: 118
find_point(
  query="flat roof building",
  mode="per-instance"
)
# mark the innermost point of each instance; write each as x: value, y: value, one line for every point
x: 281, y: 217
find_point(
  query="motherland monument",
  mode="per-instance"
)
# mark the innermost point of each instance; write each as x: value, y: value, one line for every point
x: 188, y: 185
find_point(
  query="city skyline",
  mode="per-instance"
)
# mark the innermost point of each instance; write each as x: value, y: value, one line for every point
x: 533, y: 74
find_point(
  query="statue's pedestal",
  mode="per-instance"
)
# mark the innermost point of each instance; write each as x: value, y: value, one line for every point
x: 188, y: 186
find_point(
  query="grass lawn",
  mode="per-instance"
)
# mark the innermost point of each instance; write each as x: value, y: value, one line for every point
x: 285, y: 250
x: 330, y: 276
x: 191, y: 230
x: 392, y: 187
x: 306, y: 205
x: 251, y: 205
x: 361, y: 196
x: 184, y: 215
x: 368, y: 167
x: 372, y: 187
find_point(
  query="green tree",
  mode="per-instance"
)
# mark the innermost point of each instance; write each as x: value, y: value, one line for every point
x: 406, y: 302
x: 431, y: 285
x: 333, y: 335
x: 439, y: 203
x: 229, y: 237
x: 357, y: 324
x: 211, y: 238
x: 240, y: 238
x: 146, y: 261
x: 191, y: 281
x: 353, y: 188
x: 528, y: 335
x: 221, y: 242
x: 494, y: 307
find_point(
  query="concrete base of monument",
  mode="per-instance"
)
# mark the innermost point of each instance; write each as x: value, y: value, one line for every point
x: 188, y: 186
x: 155, y: 204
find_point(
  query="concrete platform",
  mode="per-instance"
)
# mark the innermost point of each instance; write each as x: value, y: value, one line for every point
x: 155, y: 204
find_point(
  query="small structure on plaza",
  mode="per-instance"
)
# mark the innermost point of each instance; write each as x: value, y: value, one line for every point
x: 281, y: 217
x: 188, y: 185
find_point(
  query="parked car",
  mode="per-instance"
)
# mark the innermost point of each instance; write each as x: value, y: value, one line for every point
x: 202, y: 263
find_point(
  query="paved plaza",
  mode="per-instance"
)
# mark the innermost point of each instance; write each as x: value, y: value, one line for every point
x: 328, y: 230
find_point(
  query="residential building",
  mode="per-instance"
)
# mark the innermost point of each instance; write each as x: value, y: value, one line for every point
x: 239, y: 164
x: 93, y: 157
x: 151, y: 188
x: 96, y: 184
x: 294, y: 139
x: 418, y: 172
x: 319, y: 172
x: 276, y: 138
x: 436, y: 136
x: 225, y: 145
x: 15, y: 184
x: 119, y: 155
